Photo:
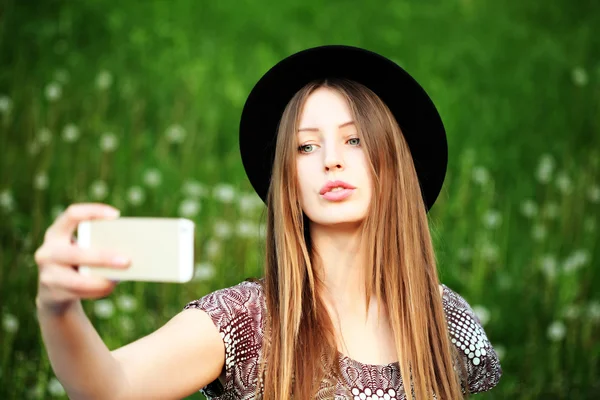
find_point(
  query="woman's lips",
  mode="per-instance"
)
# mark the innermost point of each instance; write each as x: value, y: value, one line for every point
x: 337, y: 195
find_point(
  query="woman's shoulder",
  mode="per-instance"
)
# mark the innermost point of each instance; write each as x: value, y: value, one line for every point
x: 244, y: 296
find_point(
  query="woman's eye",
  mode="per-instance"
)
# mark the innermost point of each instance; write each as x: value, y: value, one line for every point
x: 306, y: 148
x: 354, y: 141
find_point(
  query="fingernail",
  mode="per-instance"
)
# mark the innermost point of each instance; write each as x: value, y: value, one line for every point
x: 120, y: 260
x: 112, y: 213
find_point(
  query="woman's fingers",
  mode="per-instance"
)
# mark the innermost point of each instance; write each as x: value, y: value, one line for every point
x: 65, y: 284
x: 65, y: 224
x: 71, y: 255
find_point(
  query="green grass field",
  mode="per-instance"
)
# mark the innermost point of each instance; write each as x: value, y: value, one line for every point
x: 137, y: 104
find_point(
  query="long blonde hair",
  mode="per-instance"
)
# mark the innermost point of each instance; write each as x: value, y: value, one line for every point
x: 300, y: 348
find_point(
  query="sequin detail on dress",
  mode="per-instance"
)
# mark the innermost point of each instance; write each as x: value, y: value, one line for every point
x: 238, y: 312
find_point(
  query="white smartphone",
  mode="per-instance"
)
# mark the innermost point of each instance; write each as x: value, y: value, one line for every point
x: 160, y: 249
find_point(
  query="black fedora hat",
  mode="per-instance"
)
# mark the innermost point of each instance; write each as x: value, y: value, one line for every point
x: 413, y: 109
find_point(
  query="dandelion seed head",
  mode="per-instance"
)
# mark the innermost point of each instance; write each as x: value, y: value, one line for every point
x: 10, y: 323
x: 127, y: 303
x: 55, y: 388
x: 224, y: 192
x: 98, y: 190
x: 70, y: 133
x: 5, y: 104
x: 563, y: 182
x: 189, y: 208
x: 104, y: 308
x: 529, y: 208
x: 579, y: 76
x: 500, y: 351
x: 126, y: 323
x: 539, y: 232
x: 152, y: 177
x: 545, y: 168
x: 576, y: 260
x: 594, y: 194
x: 44, y: 136
x: 222, y: 229
x: 175, y: 133
x: 53, y: 91
x: 7, y: 201
x: 108, y: 142
x: 194, y: 189
x: 482, y: 313
x: 247, y: 229
x: 556, y: 331
x: 249, y: 202
x: 104, y: 80
x: 136, y: 195
x: 212, y: 248
x: 40, y: 181
x: 548, y: 265
x: 204, y: 271
x: 492, y: 219
x: 480, y: 175
x: 489, y: 252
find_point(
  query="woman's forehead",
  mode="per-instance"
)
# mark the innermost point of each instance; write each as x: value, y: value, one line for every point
x: 324, y: 108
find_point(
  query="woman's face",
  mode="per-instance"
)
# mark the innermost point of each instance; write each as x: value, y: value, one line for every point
x: 330, y: 152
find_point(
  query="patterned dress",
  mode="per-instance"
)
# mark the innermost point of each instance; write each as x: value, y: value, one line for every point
x: 238, y: 313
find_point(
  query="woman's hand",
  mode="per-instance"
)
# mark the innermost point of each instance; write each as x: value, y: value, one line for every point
x: 60, y: 285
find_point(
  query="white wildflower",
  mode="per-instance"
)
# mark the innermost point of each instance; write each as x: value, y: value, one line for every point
x: 127, y: 302
x: 539, y: 232
x: 579, y: 76
x: 108, y: 142
x: 193, y: 189
x: 44, y: 136
x: 482, y: 313
x: 593, y: 310
x: 70, y: 133
x: 576, y: 260
x: 98, y: 190
x: 104, y: 80
x: 104, y: 308
x: 152, y: 177
x: 571, y: 311
x: 556, y: 331
x: 175, y: 133
x: 500, y: 351
x: 247, y: 229
x: 464, y: 254
x: 489, y: 252
x: 136, y: 195
x: 480, y: 175
x: 126, y: 323
x: 222, y: 229
x: 248, y: 202
x: 40, y: 181
x: 53, y: 91
x: 594, y: 194
x: 563, y: 182
x: 548, y: 265
x: 189, y: 208
x: 55, y: 388
x: 5, y: 104
x: 10, y: 323
x: 529, y: 208
x: 492, y: 219
x: 7, y: 201
x: 204, y: 271
x: 212, y: 248
x: 545, y: 168
x: 224, y: 192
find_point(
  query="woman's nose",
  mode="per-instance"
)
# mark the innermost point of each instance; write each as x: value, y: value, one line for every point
x: 333, y: 158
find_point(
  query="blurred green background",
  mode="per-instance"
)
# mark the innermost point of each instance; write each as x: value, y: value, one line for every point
x: 137, y: 104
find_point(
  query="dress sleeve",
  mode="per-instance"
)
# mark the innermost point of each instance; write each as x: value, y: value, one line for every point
x: 237, y: 313
x: 467, y: 334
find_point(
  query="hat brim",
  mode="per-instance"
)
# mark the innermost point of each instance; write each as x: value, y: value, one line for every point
x: 413, y: 109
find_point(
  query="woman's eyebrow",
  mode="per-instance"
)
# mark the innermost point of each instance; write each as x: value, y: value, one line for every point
x: 317, y: 129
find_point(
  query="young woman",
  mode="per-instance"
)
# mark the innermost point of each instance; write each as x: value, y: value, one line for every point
x: 349, y: 153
